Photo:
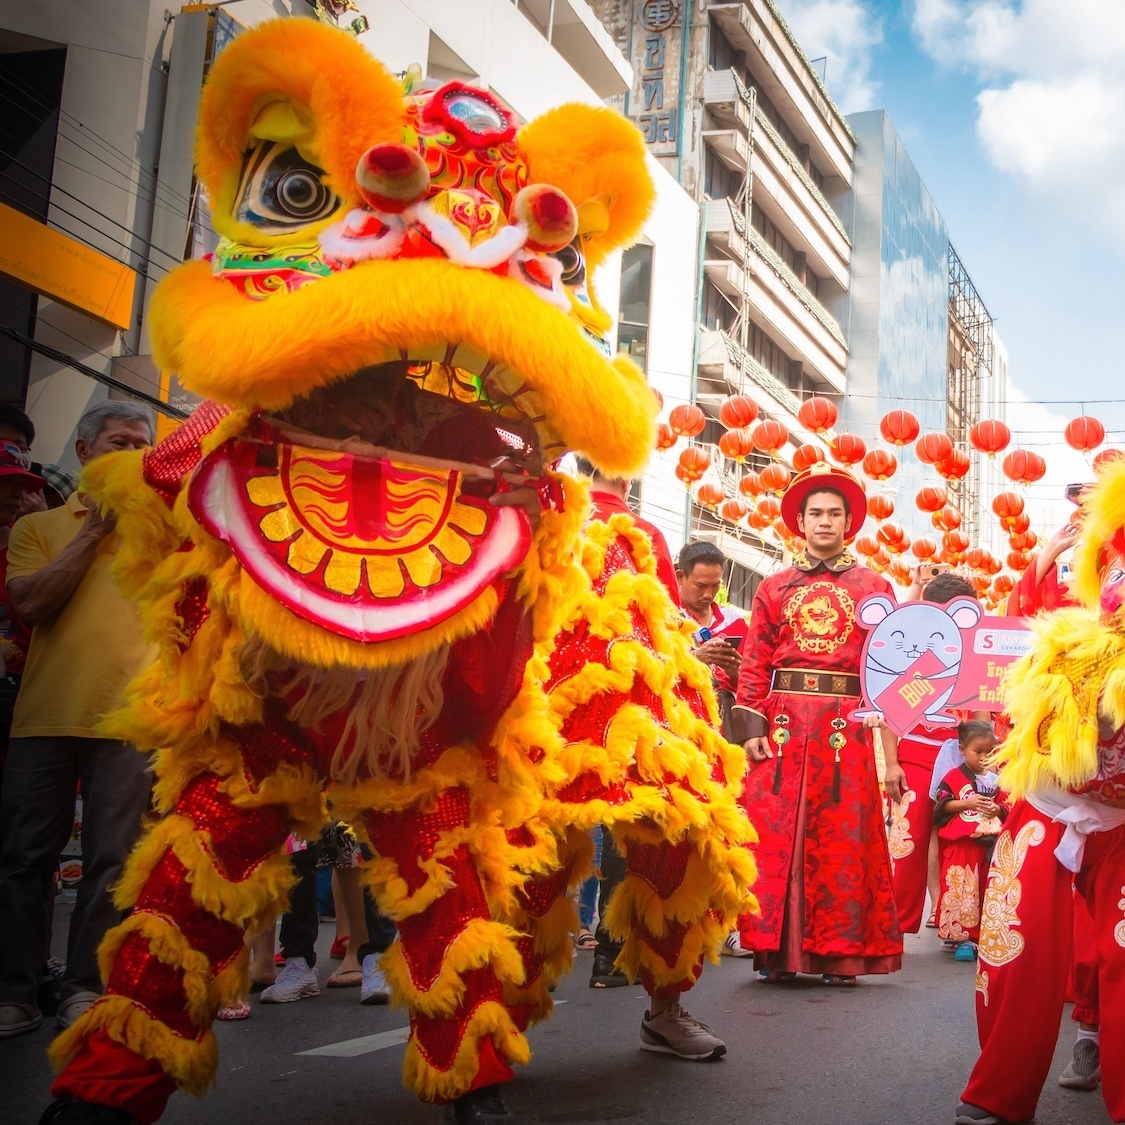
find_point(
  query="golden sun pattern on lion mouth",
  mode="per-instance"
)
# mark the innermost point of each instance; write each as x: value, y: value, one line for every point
x: 360, y: 520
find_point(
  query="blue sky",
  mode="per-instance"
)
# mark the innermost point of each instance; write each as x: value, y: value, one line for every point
x: 1014, y: 113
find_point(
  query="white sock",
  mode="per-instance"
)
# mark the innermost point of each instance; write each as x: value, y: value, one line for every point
x: 1083, y: 1034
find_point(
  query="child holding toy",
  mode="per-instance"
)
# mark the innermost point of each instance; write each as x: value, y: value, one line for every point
x: 969, y: 812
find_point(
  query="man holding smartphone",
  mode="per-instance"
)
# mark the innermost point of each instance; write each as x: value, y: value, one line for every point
x: 720, y: 630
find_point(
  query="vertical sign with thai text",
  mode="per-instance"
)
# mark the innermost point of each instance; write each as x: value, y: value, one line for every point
x: 657, y: 47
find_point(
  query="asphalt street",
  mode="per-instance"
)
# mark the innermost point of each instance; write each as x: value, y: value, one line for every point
x: 894, y: 1051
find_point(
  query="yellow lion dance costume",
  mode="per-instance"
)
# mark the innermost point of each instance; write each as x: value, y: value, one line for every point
x: 365, y: 581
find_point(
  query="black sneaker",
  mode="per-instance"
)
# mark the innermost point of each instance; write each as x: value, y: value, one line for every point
x: 74, y: 1111
x: 50, y: 987
x: 480, y: 1107
x: 604, y: 975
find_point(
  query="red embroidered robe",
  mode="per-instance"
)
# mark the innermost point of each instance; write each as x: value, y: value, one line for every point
x: 824, y: 872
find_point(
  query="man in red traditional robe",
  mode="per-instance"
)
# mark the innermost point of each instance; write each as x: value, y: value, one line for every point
x: 824, y: 873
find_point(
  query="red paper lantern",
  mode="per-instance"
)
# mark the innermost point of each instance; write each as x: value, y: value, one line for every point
x: 659, y: 398
x: 751, y: 484
x: 805, y: 456
x: 956, y: 542
x: 709, y: 494
x: 737, y: 444
x: 738, y: 412
x: 990, y: 436
x: 847, y: 449
x: 1018, y: 560
x: 1106, y: 457
x: 932, y: 498
x: 734, y: 509
x: 981, y: 583
x: 770, y: 507
x: 1007, y: 505
x: 665, y: 439
x: 948, y: 519
x: 1024, y: 467
x: 1003, y: 585
x: 994, y: 565
x: 899, y: 427
x: 1084, y: 433
x: 770, y: 436
x: 867, y: 545
x: 1023, y: 540
x: 976, y: 557
x: 880, y: 465
x: 817, y: 414
x: 880, y: 559
x: 687, y: 420
x: 880, y: 507
x: 955, y: 466
x: 890, y: 535
x: 1016, y: 524
x: 900, y: 572
x: 694, y: 462
x: 775, y: 477
x: 931, y: 448
x: 924, y: 548
x: 756, y: 520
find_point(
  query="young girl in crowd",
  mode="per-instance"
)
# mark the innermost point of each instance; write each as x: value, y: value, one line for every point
x: 969, y: 812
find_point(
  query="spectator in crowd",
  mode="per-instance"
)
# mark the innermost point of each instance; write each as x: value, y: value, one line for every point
x: 86, y: 644
x: 18, y: 429
x: 720, y: 630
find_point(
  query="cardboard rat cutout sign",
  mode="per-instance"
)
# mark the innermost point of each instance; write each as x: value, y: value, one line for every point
x: 911, y: 659
x: 921, y: 660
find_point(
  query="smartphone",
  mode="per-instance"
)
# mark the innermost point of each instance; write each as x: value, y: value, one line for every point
x: 734, y: 642
x: 1074, y: 492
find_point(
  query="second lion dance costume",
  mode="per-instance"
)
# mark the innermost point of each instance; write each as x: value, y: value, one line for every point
x: 396, y: 333
x: 1064, y: 766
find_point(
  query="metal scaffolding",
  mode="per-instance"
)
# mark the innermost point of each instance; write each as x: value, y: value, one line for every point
x: 970, y: 361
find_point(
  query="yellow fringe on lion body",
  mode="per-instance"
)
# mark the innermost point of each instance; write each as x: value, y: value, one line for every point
x: 190, y: 1063
x: 480, y: 944
x: 489, y: 1018
x: 1077, y: 664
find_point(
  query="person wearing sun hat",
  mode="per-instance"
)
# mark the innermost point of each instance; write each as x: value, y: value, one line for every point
x: 824, y: 874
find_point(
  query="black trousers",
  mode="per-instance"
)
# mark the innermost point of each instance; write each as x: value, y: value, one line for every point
x: 613, y: 873
x: 301, y: 923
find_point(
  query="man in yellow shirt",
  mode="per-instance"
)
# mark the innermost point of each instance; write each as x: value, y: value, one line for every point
x: 86, y: 645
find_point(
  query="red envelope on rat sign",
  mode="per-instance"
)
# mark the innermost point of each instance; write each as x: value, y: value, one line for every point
x: 914, y: 693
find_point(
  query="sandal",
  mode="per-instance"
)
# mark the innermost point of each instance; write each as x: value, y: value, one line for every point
x: 585, y: 940
x: 345, y: 978
x: 836, y: 980
x: 931, y: 921
x: 239, y: 1010
x: 339, y: 948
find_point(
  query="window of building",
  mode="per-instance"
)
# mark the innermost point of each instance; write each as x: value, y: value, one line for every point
x: 717, y: 312
x: 720, y: 54
x: 634, y: 308
x: 719, y: 181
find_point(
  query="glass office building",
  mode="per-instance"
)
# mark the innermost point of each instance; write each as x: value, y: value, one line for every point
x: 896, y: 313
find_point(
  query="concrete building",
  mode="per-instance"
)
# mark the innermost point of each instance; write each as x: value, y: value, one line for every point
x: 97, y: 163
x: 731, y: 107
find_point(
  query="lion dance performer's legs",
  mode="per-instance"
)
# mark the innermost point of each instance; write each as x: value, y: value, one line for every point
x: 214, y: 867
x: 1025, y: 950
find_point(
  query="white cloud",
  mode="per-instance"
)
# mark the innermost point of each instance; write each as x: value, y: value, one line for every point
x: 1051, y: 110
x: 845, y: 33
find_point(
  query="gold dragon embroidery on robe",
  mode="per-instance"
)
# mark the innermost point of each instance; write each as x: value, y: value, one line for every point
x: 1000, y: 942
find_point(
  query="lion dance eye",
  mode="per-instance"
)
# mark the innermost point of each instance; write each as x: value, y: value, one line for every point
x: 280, y: 190
x: 476, y: 114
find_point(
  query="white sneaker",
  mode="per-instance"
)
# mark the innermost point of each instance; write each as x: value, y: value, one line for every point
x: 676, y: 1032
x: 74, y: 1006
x: 373, y: 989
x: 732, y: 947
x: 296, y: 980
